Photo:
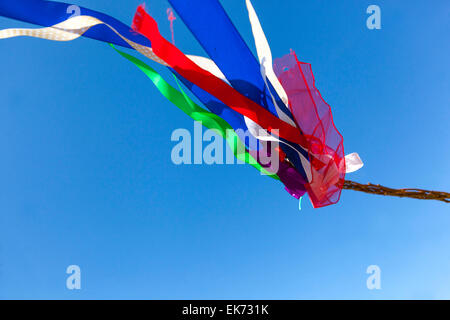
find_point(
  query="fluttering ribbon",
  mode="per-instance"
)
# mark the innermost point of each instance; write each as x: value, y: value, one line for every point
x: 353, y: 161
x: 50, y: 13
x: 278, y: 104
x: 72, y: 29
x: 83, y: 25
x: 93, y: 25
x: 78, y: 26
x: 147, y: 26
x: 265, y: 59
x: 197, y: 113
x: 223, y: 43
x: 292, y: 180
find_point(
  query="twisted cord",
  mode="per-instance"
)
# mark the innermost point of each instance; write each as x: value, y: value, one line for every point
x: 406, y: 193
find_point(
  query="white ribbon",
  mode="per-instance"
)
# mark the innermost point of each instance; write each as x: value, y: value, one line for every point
x: 75, y: 27
x: 265, y: 59
x: 353, y: 161
x: 72, y: 29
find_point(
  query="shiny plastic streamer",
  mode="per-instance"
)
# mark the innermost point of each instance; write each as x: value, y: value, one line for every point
x: 197, y: 113
x: 223, y: 43
x: 277, y: 102
x: 147, y: 26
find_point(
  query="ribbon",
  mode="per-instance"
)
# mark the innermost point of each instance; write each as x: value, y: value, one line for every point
x: 208, y: 119
x: 49, y: 13
x: 223, y: 43
x: 225, y: 46
x: 72, y: 29
x: 146, y: 25
x: 265, y: 60
x: 77, y: 26
x: 292, y: 180
x: 353, y: 162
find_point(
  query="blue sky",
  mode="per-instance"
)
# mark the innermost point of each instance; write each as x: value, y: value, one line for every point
x: 86, y: 176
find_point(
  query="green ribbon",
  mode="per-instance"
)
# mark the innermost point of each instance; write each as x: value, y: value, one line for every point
x: 208, y: 119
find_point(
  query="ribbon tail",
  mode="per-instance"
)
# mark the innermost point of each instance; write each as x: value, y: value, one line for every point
x: 208, y: 119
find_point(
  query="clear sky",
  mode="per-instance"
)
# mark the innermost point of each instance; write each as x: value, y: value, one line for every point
x: 86, y: 176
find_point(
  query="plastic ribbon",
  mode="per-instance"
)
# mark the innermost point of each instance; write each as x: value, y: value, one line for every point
x: 146, y: 25
x: 72, y: 29
x: 197, y: 113
x: 353, y: 162
x: 75, y: 27
x: 49, y: 13
x: 52, y: 13
x: 265, y: 60
x: 291, y: 179
x: 223, y: 43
